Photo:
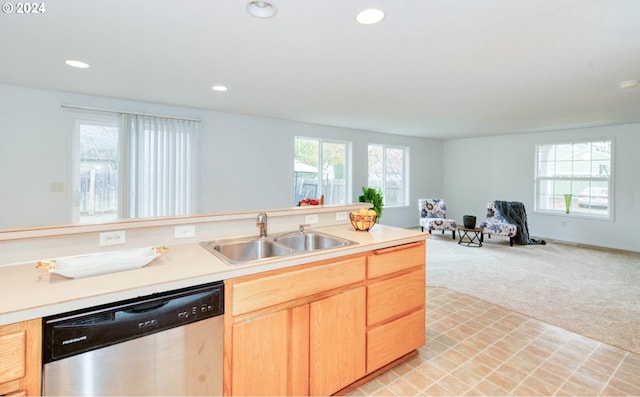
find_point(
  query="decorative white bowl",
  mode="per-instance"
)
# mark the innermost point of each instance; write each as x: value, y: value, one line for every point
x: 100, y: 263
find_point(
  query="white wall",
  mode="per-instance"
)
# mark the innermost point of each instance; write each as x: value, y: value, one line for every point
x: 258, y: 158
x: 480, y: 170
x: 246, y: 162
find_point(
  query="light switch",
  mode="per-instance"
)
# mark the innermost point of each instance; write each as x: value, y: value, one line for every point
x: 311, y: 219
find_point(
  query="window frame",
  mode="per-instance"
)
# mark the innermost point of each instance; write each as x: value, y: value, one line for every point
x: 590, y: 213
x: 405, y: 175
x: 93, y: 119
x: 348, y: 172
x: 186, y: 149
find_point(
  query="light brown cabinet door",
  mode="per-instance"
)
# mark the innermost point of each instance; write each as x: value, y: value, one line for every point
x: 20, y: 358
x: 338, y: 342
x: 269, y: 354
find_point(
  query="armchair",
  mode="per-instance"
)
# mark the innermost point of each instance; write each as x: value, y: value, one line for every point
x: 433, y: 216
x: 497, y: 224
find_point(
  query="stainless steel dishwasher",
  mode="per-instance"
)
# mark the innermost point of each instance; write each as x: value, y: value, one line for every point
x: 162, y: 344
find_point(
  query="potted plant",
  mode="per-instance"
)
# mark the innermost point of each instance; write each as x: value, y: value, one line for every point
x: 373, y: 196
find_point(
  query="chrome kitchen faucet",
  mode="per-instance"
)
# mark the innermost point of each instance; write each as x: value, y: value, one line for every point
x: 261, y: 222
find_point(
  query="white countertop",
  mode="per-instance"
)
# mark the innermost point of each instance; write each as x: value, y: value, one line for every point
x: 29, y: 293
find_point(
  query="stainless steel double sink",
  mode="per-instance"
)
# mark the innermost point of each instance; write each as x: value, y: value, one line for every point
x: 241, y: 250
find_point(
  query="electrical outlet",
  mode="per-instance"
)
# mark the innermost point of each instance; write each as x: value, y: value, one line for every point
x: 56, y: 187
x: 341, y: 216
x: 311, y: 219
x: 184, y: 231
x: 113, y: 238
x: 563, y: 223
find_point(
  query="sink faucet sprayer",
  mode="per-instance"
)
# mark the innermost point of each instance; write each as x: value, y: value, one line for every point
x: 261, y: 222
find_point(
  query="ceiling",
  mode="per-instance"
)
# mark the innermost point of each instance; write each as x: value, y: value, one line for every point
x: 431, y: 68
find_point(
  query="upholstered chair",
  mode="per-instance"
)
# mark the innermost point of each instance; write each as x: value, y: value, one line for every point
x: 497, y: 224
x: 433, y: 216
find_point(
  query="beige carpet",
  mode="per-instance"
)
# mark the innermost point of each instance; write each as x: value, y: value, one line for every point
x: 590, y: 291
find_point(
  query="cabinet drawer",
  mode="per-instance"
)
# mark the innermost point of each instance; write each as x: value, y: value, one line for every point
x: 283, y: 287
x: 395, y: 339
x: 393, y: 297
x: 13, y: 350
x: 390, y: 260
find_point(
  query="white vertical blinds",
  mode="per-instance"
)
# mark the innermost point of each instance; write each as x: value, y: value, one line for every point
x: 161, y: 157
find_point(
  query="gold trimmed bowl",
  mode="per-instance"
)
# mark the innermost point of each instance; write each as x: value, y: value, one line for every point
x: 363, y: 222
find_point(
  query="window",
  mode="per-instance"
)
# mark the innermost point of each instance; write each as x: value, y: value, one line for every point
x: 575, y: 178
x: 97, y: 162
x: 130, y: 166
x: 321, y: 167
x: 389, y: 171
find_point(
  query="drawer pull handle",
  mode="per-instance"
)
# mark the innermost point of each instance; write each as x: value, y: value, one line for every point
x: 397, y: 248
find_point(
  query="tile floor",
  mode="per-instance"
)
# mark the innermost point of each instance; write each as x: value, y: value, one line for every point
x: 478, y: 348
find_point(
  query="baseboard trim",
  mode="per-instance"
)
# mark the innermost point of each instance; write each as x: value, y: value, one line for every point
x: 591, y: 246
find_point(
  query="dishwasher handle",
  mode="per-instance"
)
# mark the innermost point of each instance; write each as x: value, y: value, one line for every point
x: 146, y: 307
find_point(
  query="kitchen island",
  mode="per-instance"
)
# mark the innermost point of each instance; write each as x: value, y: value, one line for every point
x: 338, y: 283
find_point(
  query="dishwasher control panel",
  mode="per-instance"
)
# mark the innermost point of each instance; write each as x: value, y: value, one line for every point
x: 80, y: 331
x: 203, y: 309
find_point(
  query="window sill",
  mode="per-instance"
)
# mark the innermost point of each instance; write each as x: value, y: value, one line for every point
x: 574, y: 215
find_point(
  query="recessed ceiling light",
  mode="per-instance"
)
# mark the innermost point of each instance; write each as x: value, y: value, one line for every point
x: 76, y: 64
x: 628, y: 84
x: 219, y: 88
x: 261, y: 9
x: 370, y: 16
